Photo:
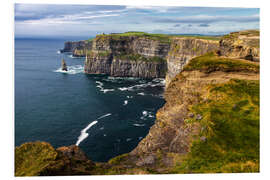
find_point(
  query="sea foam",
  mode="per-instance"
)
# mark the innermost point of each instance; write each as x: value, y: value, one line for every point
x: 71, y: 69
x: 84, y: 133
x: 101, y: 88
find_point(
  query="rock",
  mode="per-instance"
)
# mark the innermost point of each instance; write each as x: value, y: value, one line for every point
x: 64, y: 65
x: 73, y: 151
x: 146, y: 161
x: 199, y: 117
x: 203, y: 138
x: 190, y: 115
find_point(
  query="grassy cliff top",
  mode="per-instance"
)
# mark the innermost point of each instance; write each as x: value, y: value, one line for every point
x: 228, y: 140
x: 211, y: 62
x: 245, y: 33
x: 165, y: 38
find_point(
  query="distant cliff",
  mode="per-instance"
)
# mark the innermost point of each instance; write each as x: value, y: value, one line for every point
x: 136, y: 56
x: 146, y: 55
x: 77, y: 48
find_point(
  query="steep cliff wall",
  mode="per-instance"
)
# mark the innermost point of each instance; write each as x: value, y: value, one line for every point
x: 184, y: 49
x: 127, y: 56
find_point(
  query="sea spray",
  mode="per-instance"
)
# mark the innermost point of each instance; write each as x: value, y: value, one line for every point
x: 71, y: 69
x: 84, y: 133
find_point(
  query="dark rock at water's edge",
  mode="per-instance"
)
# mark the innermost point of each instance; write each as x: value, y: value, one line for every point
x: 64, y: 65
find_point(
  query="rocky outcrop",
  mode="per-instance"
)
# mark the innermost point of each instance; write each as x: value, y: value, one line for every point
x: 64, y: 65
x: 41, y: 159
x: 184, y: 49
x: 241, y: 45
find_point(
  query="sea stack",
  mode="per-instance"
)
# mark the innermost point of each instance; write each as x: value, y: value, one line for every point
x: 64, y: 65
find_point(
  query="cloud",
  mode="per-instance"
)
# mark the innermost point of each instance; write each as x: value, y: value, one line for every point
x: 205, y: 19
x: 204, y: 25
x: 49, y: 19
x: 26, y: 12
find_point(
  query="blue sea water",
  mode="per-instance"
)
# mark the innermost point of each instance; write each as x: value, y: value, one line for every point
x: 105, y: 116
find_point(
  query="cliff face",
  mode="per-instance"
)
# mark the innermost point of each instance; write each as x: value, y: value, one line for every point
x: 127, y: 56
x: 77, y: 48
x: 242, y: 45
x: 143, y: 56
x: 202, y: 119
x: 184, y: 49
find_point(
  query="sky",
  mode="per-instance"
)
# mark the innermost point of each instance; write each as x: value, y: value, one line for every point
x: 51, y: 20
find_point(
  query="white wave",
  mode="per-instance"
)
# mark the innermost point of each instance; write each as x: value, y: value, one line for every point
x: 140, y: 138
x: 129, y: 97
x: 141, y: 93
x: 101, y: 128
x: 71, y: 69
x: 139, y: 125
x: 104, y: 116
x: 100, y: 86
x: 128, y: 139
x: 125, y: 102
x: 104, y: 134
x: 153, y: 83
x: 84, y: 133
x: 58, y: 52
x: 145, y: 113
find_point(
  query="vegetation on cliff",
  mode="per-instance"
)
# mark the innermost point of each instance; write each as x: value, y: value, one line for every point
x: 138, y: 57
x: 228, y: 140
x: 32, y: 158
x: 164, y: 38
x: 211, y: 62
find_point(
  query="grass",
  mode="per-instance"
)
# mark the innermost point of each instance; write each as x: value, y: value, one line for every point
x: 32, y: 158
x: 163, y: 38
x: 230, y: 126
x: 210, y: 62
x: 138, y: 57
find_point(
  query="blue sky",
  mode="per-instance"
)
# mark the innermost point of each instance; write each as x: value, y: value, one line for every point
x: 37, y: 20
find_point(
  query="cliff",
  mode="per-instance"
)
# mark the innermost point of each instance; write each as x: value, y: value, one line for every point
x: 120, y: 55
x: 209, y: 123
x: 183, y: 49
x: 77, y: 48
x: 138, y: 54
x: 144, y: 55
x: 242, y: 45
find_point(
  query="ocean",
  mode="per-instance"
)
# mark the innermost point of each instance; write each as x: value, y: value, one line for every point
x: 105, y: 116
